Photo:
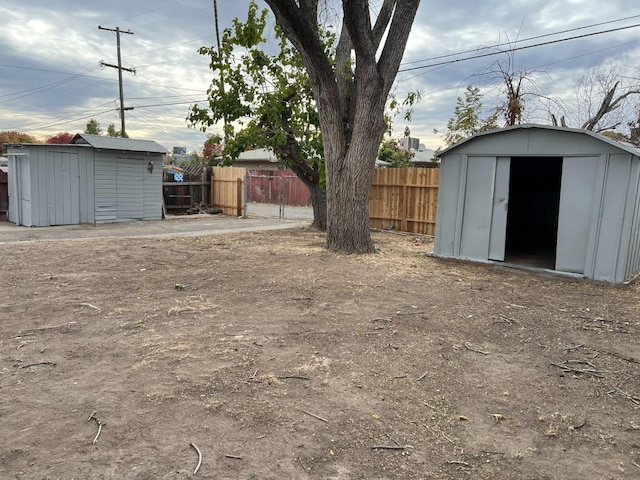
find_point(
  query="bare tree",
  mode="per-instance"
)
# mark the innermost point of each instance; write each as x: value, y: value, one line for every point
x: 612, y: 110
x: 351, y: 98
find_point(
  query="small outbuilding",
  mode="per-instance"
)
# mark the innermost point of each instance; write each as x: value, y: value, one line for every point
x: 94, y: 179
x: 555, y: 198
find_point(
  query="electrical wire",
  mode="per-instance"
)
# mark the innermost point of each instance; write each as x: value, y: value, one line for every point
x: 514, y: 49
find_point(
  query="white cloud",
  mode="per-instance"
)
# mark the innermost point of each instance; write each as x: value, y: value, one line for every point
x: 40, y: 38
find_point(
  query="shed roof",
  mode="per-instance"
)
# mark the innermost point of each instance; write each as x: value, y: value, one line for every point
x: 628, y: 147
x: 118, y: 143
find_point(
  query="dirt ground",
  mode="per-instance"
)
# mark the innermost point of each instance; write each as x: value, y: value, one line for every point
x: 280, y: 360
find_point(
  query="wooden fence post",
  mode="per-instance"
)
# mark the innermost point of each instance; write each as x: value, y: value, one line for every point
x: 239, y: 196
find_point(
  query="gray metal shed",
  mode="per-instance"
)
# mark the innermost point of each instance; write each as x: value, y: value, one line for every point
x: 94, y: 179
x: 556, y: 198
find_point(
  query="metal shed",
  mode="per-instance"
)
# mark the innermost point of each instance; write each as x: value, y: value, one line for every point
x: 94, y: 179
x: 555, y: 198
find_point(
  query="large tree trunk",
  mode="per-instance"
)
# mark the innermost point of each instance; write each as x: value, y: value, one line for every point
x: 350, y: 102
x: 311, y: 179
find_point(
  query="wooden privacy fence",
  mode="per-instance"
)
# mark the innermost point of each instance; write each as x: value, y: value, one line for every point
x: 227, y: 189
x: 403, y: 199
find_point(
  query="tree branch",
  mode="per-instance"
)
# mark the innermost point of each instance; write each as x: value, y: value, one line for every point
x: 403, y: 16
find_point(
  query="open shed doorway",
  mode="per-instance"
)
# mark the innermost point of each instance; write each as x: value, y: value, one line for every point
x: 532, y: 217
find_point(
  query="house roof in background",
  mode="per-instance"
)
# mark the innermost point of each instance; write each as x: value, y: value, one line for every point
x: 103, y: 142
x: 259, y: 154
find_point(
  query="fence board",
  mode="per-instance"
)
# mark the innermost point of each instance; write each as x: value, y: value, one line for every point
x: 227, y: 189
x: 404, y: 199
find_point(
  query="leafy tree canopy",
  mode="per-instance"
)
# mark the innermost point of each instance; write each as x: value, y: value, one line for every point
x: 93, y: 127
x: 262, y: 95
x: 391, y: 152
x: 467, y: 119
x: 112, y: 132
x: 60, y: 138
x: 12, y: 136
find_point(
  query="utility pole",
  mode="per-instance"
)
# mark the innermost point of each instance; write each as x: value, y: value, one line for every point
x: 224, y: 117
x: 120, y: 68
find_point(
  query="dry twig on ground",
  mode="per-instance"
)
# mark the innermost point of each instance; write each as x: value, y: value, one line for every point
x: 195, y: 471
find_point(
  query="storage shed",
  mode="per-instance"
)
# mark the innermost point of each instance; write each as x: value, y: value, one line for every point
x: 556, y: 198
x: 94, y: 179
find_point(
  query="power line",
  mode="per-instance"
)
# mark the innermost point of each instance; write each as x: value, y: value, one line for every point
x: 536, y: 37
x: 514, y: 49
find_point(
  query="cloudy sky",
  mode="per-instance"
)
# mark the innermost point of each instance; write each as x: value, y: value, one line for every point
x: 51, y: 79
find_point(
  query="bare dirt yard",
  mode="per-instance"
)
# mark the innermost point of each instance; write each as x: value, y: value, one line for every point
x: 264, y: 356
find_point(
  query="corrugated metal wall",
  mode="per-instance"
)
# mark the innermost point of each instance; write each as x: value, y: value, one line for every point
x: 598, y: 231
x: 632, y: 265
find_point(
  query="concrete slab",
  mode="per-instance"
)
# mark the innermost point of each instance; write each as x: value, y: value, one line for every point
x: 172, y: 226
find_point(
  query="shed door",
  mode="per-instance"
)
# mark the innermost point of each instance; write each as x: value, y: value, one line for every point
x: 478, y: 206
x: 577, y: 195
x: 62, y: 189
x: 498, y: 236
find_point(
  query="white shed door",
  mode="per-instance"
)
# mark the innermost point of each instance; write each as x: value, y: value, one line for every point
x: 477, y: 209
x: 577, y: 194
x: 498, y: 238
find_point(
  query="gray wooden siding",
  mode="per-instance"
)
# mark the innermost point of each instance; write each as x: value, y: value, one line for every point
x: 125, y: 189
x: 54, y: 185
x: 152, y: 185
x: 130, y: 193
x: 105, y: 189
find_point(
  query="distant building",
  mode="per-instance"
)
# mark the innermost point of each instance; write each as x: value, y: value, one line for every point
x: 422, y: 156
x: 258, y: 159
x: 179, y: 150
x: 409, y: 143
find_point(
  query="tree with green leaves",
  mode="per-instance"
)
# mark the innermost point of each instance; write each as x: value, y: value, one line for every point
x: 391, y: 152
x: 467, y: 119
x: 112, y: 132
x: 350, y: 94
x: 93, y: 127
x: 265, y: 101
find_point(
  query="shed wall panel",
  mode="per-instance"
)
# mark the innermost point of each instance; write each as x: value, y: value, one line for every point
x: 478, y: 207
x: 632, y: 264
x: 105, y: 190
x: 447, y: 207
x: 535, y: 142
x: 130, y: 193
x: 607, y: 250
x: 576, y: 210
